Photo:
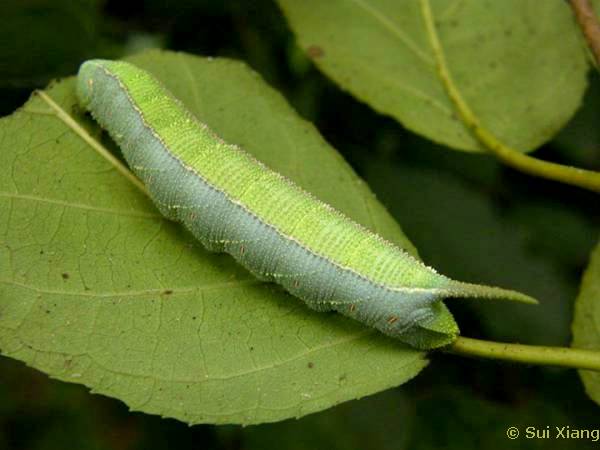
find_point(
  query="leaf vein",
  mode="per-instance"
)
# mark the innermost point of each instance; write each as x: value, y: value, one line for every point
x: 392, y: 28
x: 63, y: 203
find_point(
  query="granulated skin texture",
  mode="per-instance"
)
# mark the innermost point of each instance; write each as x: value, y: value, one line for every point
x: 233, y: 203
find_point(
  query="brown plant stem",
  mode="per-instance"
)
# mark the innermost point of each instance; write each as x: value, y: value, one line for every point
x: 589, y: 24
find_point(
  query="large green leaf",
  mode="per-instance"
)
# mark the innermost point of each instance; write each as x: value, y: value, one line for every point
x: 519, y: 64
x: 586, y: 323
x: 97, y: 288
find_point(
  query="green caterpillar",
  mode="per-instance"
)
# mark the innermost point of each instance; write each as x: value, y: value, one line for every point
x: 233, y: 203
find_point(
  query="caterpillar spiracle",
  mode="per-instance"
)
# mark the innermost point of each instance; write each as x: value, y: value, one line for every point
x: 233, y: 203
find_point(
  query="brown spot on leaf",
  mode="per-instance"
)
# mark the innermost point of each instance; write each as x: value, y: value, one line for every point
x: 315, y: 52
x: 310, y: 365
x: 168, y: 291
x: 65, y: 276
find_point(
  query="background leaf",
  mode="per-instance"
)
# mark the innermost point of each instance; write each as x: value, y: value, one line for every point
x: 455, y: 431
x: 456, y: 222
x: 48, y: 53
x: 519, y: 64
x: 97, y: 288
x: 586, y: 324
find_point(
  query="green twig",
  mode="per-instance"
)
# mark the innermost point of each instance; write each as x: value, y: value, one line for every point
x: 571, y: 175
x: 575, y: 358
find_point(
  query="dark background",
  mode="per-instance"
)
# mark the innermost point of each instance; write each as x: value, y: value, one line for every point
x: 470, y: 217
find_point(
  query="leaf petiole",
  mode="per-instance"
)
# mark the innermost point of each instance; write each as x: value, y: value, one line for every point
x: 575, y: 358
